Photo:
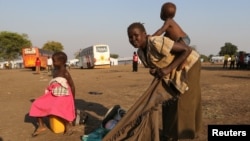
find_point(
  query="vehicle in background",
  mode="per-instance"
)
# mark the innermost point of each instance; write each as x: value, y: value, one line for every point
x: 14, y: 64
x: 217, y: 59
x: 95, y: 56
x: 30, y: 54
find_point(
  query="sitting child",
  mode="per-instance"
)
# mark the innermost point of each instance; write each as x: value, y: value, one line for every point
x: 58, y: 99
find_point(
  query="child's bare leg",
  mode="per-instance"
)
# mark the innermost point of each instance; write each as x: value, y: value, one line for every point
x: 41, y: 124
x: 41, y: 127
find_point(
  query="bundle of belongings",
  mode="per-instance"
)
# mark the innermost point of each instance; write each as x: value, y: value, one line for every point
x: 81, y: 117
x: 111, y: 118
x: 141, y: 121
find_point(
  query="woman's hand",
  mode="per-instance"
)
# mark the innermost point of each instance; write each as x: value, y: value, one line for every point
x: 163, y: 72
x: 159, y: 73
x: 152, y: 71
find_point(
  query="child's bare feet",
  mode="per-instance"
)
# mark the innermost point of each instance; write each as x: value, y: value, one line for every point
x: 39, y: 131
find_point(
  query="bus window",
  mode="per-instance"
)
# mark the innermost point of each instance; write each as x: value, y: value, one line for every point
x: 101, y: 49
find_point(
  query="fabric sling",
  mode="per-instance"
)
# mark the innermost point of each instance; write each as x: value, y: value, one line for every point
x: 141, y: 122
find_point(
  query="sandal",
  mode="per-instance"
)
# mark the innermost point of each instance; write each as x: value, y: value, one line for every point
x: 39, y: 132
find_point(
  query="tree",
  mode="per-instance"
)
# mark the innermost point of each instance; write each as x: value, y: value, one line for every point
x: 210, y: 57
x: 11, y: 44
x: 204, y: 57
x: 53, y: 46
x: 228, y: 49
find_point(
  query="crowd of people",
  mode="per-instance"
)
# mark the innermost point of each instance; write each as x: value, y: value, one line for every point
x: 236, y: 62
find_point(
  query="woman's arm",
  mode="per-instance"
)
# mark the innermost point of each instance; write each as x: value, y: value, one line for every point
x: 181, y: 52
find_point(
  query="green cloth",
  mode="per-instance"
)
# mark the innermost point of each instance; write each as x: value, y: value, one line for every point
x: 96, y: 135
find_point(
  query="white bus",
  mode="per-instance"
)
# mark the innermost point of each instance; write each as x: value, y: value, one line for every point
x: 96, y: 56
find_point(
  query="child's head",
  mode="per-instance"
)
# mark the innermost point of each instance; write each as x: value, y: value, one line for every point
x: 137, y: 35
x: 168, y: 10
x: 59, y: 58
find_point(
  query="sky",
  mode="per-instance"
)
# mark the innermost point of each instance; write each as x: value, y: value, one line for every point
x: 77, y: 24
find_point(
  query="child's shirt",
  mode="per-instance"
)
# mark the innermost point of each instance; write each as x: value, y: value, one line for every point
x: 58, y: 86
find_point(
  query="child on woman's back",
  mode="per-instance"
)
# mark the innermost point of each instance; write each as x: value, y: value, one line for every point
x: 170, y: 27
x: 58, y: 99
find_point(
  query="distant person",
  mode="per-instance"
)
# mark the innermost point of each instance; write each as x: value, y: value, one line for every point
x: 58, y: 99
x: 38, y: 65
x: 170, y: 27
x: 49, y: 64
x: 135, y: 62
x: 10, y: 65
x: 232, y: 62
x: 225, y: 61
x: 241, y: 60
x: 179, y: 66
x: 237, y: 61
x: 7, y: 65
x: 229, y: 61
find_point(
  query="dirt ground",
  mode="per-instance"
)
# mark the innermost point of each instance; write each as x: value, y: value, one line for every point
x: 225, y: 97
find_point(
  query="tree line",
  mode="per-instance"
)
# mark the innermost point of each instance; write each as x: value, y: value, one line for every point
x: 11, y: 45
